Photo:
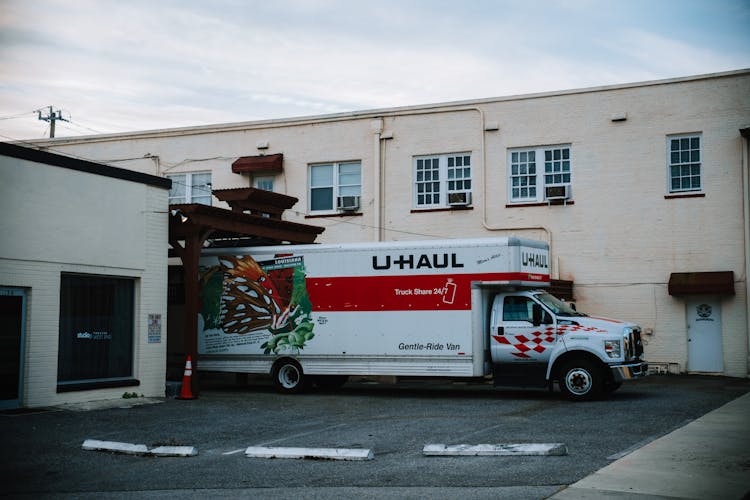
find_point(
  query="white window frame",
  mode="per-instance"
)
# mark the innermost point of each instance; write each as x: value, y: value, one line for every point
x: 538, y: 167
x: 191, y: 191
x: 337, y: 188
x: 691, y: 162
x: 450, y: 169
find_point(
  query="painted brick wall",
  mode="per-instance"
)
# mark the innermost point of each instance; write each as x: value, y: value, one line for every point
x: 130, y: 236
x: 619, y: 240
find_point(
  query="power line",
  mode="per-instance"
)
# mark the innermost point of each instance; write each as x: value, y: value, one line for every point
x: 19, y: 115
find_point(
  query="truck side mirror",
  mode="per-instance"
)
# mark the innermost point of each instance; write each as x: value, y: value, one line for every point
x: 536, y: 311
x: 573, y: 306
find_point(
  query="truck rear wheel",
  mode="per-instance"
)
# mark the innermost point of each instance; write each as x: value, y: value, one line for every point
x: 580, y: 380
x: 288, y: 377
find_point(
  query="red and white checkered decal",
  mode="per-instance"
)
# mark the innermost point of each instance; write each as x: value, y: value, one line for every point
x: 538, y: 342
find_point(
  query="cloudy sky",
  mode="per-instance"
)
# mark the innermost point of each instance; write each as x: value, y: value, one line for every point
x: 125, y: 65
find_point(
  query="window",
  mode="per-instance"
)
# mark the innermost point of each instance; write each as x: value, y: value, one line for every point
x: 442, y: 181
x: 518, y: 309
x: 96, y: 329
x: 533, y: 170
x: 263, y: 182
x: 330, y: 182
x: 684, y: 163
x: 190, y: 188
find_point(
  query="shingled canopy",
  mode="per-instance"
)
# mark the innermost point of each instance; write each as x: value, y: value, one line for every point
x: 192, y: 225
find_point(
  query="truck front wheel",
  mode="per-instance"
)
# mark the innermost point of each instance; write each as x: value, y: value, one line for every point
x: 580, y: 380
x: 288, y: 377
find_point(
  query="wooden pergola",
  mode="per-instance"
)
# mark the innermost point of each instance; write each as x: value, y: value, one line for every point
x: 192, y: 225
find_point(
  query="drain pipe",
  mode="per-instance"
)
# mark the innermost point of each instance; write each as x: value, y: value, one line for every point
x: 745, y: 132
x: 377, y: 128
x: 485, y: 223
x: 377, y: 204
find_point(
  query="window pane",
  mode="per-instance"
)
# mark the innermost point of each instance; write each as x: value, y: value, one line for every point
x: 321, y: 199
x: 265, y: 183
x: 695, y: 143
x: 321, y: 175
x: 177, y: 192
x: 96, y: 328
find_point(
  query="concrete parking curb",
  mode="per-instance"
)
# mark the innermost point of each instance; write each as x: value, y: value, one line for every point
x: 115, y: 447
x: 138, y: 449
x: 517, y: 449
x: 310, y: 453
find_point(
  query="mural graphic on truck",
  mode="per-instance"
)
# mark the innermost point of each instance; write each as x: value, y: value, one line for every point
x: 265, y: 301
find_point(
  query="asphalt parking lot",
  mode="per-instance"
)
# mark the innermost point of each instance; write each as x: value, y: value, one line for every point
x: 42, y: 456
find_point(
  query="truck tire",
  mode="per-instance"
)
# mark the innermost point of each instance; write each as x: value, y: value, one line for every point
x: 580, y: 380
x: 288, y: 377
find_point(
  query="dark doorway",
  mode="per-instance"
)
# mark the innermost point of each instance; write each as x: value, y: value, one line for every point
x: 11, y: 345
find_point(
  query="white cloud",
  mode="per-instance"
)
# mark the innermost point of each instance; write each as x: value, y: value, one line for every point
x: 137, y: 65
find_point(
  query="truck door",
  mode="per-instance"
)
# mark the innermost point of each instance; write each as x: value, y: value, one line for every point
x: 523, y: 331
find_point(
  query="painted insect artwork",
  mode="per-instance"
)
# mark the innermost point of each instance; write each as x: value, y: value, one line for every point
x: 241, y: 295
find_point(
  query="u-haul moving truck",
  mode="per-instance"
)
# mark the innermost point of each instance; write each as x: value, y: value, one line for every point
x: 453, y: 308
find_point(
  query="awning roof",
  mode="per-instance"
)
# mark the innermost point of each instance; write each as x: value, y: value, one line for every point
x: 190, y: 219
x: 706, y: 283
x: 263, y: 164
x: 257, y: 201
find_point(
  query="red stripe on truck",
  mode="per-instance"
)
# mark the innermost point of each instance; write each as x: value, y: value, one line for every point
x: 448, y: 292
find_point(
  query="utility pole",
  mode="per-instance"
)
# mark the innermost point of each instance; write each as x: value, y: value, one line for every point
x: 51, y: 117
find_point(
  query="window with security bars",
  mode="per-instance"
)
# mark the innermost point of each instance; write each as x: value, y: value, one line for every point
x: 438, y: 177
x: 684, y: 159
x: 532, y: 170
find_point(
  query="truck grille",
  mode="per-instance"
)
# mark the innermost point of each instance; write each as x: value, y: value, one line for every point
x: 635, y: 347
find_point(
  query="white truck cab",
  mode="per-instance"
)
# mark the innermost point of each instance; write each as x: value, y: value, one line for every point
x: 536, y: 338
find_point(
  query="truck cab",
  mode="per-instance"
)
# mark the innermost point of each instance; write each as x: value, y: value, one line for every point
x: 536, y: 339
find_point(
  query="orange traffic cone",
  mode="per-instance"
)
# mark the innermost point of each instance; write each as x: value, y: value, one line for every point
x: 185, y: 391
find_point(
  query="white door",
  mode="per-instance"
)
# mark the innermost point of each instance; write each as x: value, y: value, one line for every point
x: 705, y: 353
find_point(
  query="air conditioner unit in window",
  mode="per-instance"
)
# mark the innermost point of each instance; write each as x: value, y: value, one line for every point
x: 459, y: 199
x: 552, y: 193
x: 348, y: 203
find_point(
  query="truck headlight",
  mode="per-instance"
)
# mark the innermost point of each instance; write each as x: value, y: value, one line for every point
x: 612, y: 348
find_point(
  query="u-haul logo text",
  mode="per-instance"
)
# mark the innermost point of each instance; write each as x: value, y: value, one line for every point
x: 536, y: 260
x: 422, y: 261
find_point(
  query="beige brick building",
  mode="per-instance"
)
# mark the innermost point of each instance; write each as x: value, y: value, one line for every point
x: 640, y: 189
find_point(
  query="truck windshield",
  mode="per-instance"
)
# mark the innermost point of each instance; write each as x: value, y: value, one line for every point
x: 557, y: 306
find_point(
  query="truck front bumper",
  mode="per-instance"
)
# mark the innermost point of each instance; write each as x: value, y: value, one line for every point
x: 629, y: 371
